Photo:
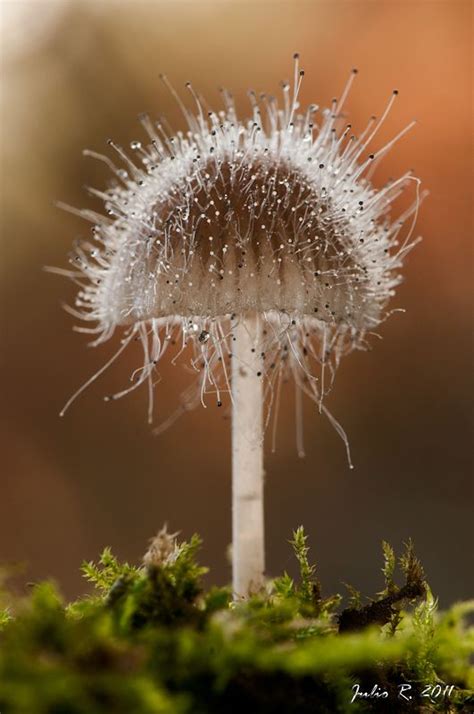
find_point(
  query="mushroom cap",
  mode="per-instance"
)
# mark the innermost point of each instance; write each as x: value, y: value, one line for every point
x: 272, y: 216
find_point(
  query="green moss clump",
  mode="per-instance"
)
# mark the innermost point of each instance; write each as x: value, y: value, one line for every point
x: 149, y: 640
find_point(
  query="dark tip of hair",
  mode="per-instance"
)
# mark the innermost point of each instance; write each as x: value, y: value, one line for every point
x: 395, y: 91
x: 296, y: 55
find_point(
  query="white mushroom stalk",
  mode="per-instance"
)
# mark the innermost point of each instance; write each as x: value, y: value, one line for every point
x: 259, y: 244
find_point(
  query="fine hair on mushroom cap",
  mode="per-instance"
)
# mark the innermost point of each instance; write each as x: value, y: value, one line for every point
x: 273, y: 217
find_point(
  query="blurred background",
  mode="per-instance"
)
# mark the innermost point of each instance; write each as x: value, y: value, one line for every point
x: 74, y: 74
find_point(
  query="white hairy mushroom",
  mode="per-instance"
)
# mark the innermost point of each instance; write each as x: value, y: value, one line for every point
x: 263, y: 245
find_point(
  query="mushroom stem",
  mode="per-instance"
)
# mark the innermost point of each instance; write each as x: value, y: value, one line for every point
x: 248, y: 555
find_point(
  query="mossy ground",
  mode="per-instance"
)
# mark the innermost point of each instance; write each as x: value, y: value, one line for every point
x: 149, y: 640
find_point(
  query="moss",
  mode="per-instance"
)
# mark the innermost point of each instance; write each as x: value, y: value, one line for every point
x: 150, y: 640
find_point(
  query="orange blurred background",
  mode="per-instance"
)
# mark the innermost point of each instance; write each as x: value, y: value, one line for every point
x: 74, y: 74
